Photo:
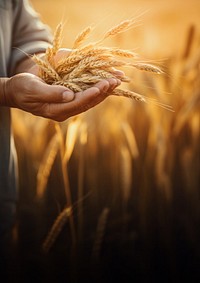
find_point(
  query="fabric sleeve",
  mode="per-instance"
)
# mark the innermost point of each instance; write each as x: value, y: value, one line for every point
x: 29, y: 36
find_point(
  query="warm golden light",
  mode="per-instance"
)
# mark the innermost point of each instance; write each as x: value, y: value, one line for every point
x: 122, y: 179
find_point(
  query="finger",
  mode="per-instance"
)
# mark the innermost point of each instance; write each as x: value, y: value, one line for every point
x: 87, y: 99
x: 117, y: 73
x: 104, y: 92
x: 52, y: 93
x: 83, y: 101
x: 113, y: 83
x: 92, y: 96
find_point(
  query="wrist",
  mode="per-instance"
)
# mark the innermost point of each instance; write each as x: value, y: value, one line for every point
x: 3, y: 91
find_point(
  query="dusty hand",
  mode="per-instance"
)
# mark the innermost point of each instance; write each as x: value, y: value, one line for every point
x: 29, y: 93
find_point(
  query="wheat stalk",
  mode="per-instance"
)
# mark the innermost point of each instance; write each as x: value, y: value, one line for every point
x: 56, y: 228
x: 46, y: 165
x: 100, y: 231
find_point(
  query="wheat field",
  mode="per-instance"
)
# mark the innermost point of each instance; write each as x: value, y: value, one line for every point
x: 112, y: 195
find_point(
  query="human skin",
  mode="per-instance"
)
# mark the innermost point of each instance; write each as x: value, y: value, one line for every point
x: 28, y: 92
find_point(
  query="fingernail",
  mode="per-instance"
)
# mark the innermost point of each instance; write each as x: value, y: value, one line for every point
x: 105, y: 88
x: 112, y: 82
x: 118, y: 82
x: 115, y: 81
x: 68, y: 95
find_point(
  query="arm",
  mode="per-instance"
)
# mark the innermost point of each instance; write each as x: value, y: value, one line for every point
x: 29, y: 93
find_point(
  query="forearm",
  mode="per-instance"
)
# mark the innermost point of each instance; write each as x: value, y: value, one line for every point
x: 25, y: 65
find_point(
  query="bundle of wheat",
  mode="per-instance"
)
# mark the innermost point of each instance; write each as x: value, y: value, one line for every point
x: 86, y: 65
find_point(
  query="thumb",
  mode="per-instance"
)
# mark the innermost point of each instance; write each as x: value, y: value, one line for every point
x: 53, y: 93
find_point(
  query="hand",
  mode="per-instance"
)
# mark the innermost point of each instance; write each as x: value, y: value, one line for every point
x: 29, y: 93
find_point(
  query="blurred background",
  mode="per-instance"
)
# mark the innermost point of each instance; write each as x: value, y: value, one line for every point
x: 127, y: 172
x: 161, y: 24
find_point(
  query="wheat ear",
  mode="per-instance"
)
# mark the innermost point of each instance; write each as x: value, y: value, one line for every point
x: 56, y: 228
x: 81, y: 37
